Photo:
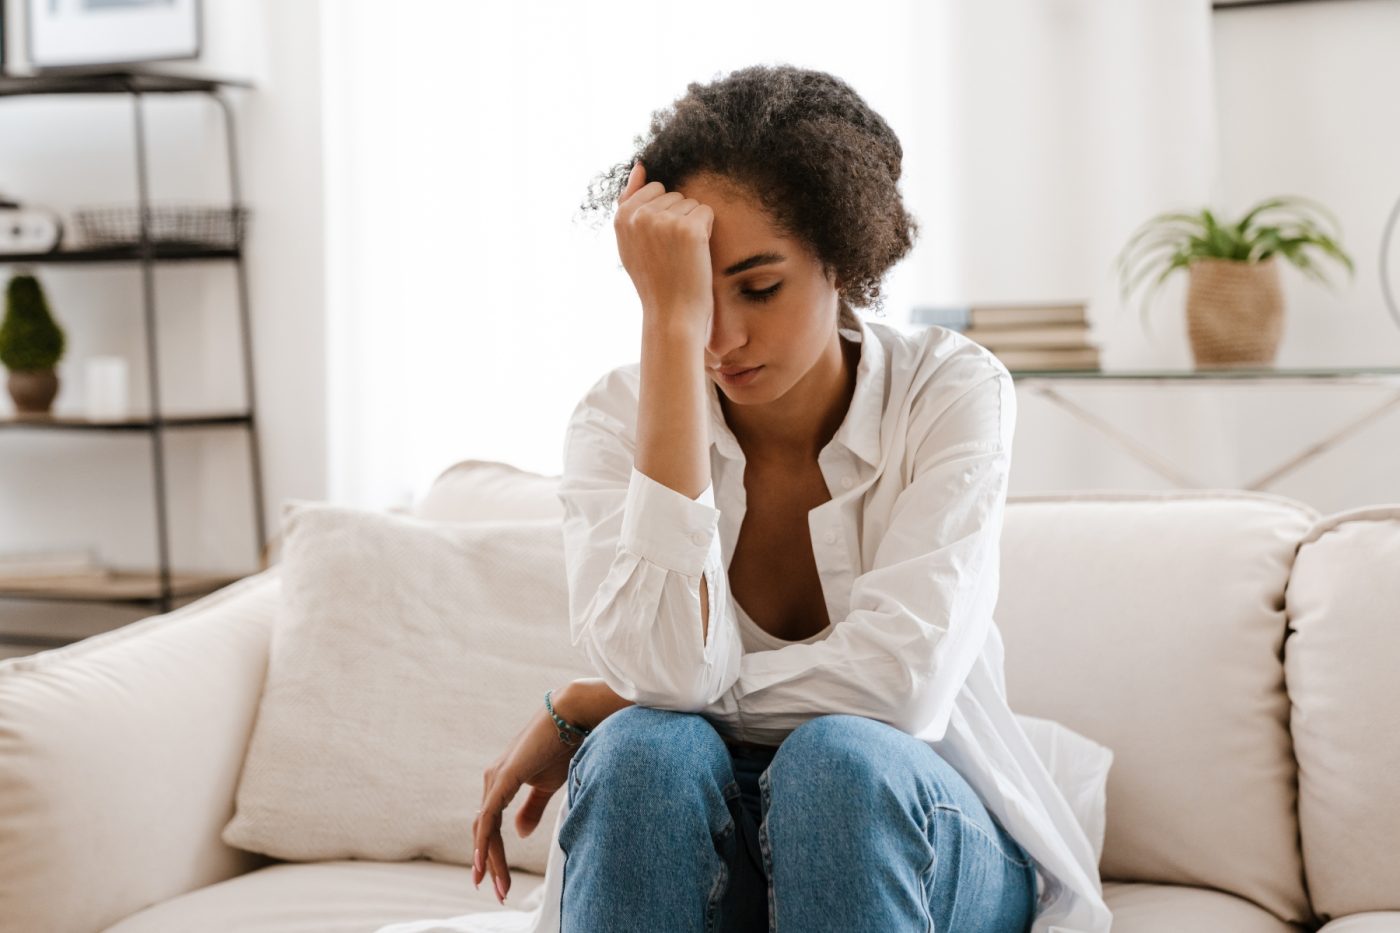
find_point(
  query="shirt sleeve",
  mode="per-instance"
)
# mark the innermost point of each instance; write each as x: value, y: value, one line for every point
x: 920, y: 616
x: 634, y: 553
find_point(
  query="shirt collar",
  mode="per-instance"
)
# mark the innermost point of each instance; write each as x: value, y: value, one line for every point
x: 860, y: 429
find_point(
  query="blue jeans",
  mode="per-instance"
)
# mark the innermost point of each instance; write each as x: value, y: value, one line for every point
x: 850, y: 825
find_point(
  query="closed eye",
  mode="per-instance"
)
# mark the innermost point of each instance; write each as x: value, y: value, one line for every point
x: 763, y: 295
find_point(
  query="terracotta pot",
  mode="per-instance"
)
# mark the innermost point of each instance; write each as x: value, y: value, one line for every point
x: 1234, y: 311
x: 33, y: 389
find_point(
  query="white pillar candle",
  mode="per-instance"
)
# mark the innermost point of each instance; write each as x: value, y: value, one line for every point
x: 105, y: 389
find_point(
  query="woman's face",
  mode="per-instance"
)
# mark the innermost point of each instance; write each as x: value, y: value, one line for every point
x: 773, y: 307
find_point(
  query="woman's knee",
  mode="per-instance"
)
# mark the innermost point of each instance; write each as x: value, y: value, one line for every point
x: 866, y: 765
x: 663, y: 749
x: 837, y: 746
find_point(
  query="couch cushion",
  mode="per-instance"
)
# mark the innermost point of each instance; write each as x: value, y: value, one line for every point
x: 1382, y: 921
x: 358, y: 896
x: 1342, y: 659
x: 1153, y: 623
x: 1173, y: 908
x: 407, y: 657
x: 330, y: 897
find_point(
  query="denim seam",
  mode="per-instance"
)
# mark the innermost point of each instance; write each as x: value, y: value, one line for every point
x: 765, y: 801
x: 928, y: 869
x: 717, y: 889
x: 728, y: 793
x: 970, y: 822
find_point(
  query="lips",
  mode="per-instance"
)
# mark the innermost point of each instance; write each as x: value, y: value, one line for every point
x: 735, y: 370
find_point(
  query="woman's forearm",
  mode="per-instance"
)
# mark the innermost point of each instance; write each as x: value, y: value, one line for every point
x: 673, y: 430
x: 673, y: 433
x: 586, y: 702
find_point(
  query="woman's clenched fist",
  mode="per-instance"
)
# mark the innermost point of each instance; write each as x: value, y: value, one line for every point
x: 663, y: 239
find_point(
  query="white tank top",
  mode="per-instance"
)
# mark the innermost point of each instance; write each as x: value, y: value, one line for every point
x: 755, y: 638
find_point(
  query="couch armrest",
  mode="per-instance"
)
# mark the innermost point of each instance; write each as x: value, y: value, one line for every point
x: 120, y: 756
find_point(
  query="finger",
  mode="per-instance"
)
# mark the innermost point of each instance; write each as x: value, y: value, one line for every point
x: 663, y: 202
x: 708, y: 216
x: 496, y: 858
x: 487, y: 831
x: 635, y: 179
x: 480, y: 835
x: 532, y: 811
x: 489, y: 838
x: 638, y: 191
x: 480, y: 827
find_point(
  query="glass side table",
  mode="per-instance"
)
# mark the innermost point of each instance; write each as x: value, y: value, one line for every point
x: 1046, y: 384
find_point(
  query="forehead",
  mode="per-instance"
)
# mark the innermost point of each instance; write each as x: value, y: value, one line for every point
x: 742, y: 226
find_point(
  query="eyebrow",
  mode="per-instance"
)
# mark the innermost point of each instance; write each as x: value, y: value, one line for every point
x: 758, y: 259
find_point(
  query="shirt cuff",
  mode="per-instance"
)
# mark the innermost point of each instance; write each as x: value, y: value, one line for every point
x: 667, y: 527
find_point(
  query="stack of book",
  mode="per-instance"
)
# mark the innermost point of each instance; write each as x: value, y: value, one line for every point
x: 1023, y: 337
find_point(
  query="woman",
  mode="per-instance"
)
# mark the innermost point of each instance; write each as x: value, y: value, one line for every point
x: 782, y: 542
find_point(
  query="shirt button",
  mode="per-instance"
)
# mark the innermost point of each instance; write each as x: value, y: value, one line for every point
x: 698, y: 537
x: 847, y: 482
x: 830, y: 537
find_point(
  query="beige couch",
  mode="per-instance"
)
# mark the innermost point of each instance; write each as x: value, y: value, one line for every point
x: 1238, y: 652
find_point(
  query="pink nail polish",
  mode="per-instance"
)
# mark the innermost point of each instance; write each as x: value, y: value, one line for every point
x: 499, y: 892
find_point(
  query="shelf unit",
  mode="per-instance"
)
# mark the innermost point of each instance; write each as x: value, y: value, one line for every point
x: 159, y: 586
x: 1049, y: 385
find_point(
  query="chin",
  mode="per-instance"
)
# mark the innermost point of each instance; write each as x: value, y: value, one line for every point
x: 749, y: 395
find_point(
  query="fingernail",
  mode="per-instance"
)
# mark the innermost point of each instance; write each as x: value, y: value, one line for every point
x: 476, y: 859
x: 499, y: 891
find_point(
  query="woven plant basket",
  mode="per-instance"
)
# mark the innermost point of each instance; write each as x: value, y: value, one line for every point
x: 1234, y: 311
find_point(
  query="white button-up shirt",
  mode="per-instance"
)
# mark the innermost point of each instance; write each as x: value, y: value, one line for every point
x: 908, y: 553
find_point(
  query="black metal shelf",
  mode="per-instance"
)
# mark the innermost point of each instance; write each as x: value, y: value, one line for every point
x: 163, y: 252
x: 52, y: 422
x: 112, y: 82
x: 158, y: 586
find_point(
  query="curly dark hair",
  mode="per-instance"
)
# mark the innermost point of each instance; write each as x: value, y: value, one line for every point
x: 822, y: 164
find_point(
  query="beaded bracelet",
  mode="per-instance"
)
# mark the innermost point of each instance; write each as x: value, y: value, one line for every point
x: 564, y: 728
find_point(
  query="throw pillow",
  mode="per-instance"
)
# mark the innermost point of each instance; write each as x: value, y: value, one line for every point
x: 407, y: 655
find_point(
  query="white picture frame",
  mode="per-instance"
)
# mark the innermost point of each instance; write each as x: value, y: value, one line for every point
x: 63, y: 34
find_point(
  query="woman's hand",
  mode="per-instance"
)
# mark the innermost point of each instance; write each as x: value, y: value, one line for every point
x: 663, y: 239
x: 538, y: 758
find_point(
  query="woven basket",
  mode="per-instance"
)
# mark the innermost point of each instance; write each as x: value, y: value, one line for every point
x: 1234, y: 311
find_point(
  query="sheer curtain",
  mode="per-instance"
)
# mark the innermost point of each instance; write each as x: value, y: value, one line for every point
x: 467, y: 307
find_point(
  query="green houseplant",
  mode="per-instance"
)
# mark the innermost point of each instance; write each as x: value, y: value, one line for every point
x: 31, y: 342
x: 1234, y: 304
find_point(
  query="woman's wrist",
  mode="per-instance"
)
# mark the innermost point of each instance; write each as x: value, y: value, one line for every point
x: 586, y: 702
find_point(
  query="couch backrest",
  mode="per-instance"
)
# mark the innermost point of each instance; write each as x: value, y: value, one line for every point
x: 1342, y: 663
x: 486, y: 490
x: 1153, y: 623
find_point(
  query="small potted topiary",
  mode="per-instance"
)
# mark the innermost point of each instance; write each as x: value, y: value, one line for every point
x: 31, y: 342
x: 1234, y: 303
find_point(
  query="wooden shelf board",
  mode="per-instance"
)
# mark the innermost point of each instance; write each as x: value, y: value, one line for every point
x: 118, y: 586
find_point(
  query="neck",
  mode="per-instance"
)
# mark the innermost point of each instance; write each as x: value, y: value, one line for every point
x: 795, y: 428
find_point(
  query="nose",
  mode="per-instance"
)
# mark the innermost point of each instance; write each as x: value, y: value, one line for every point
x: 727, y: 332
